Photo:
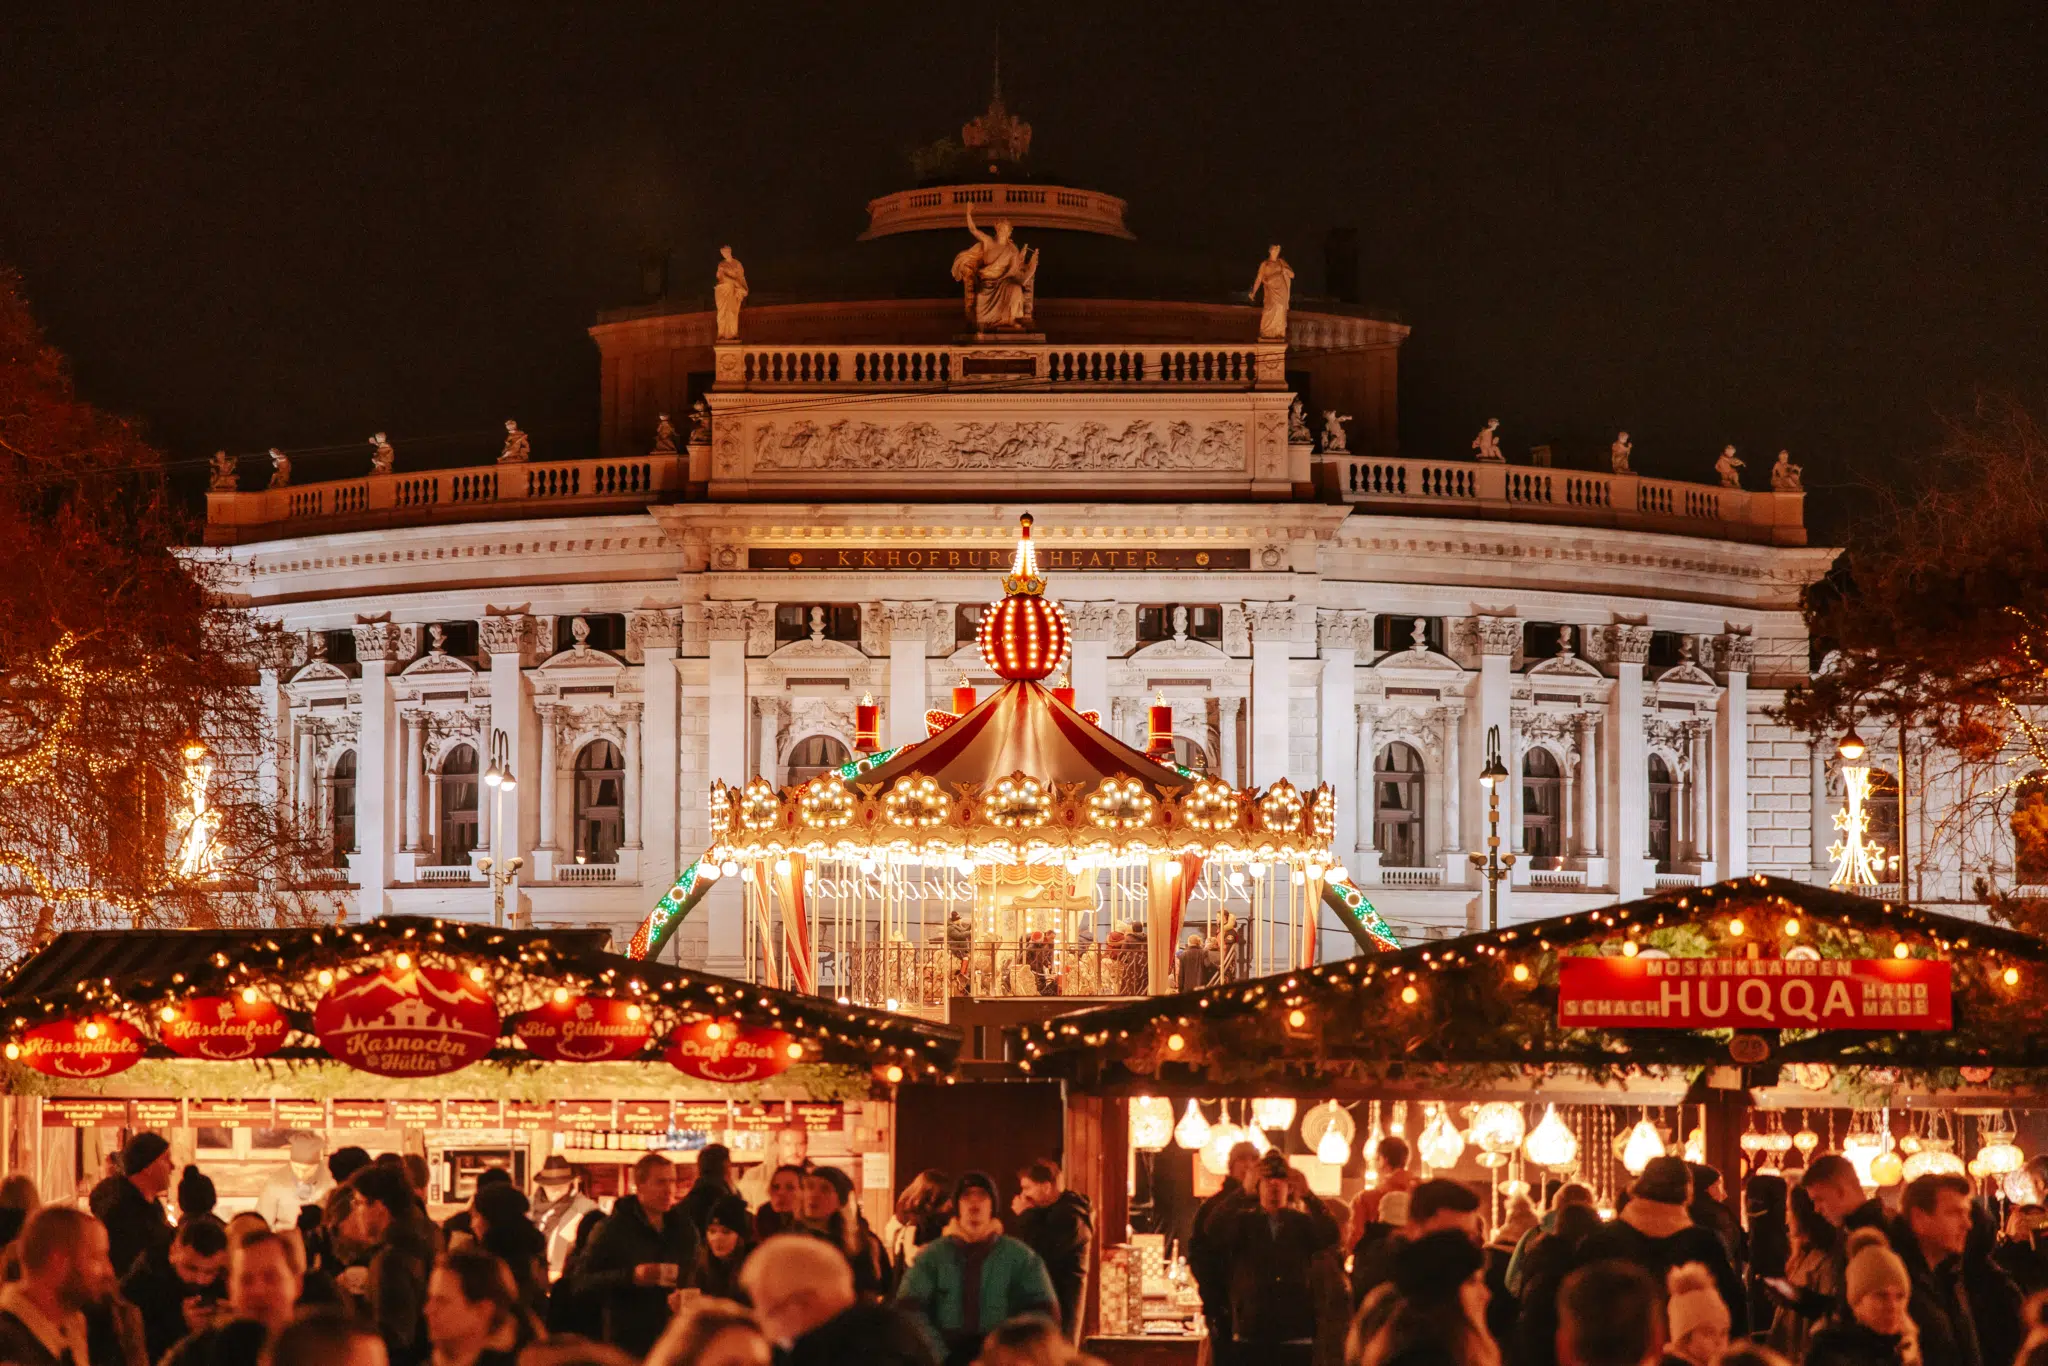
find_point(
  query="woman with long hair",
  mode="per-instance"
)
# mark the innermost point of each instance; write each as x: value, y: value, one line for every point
x: 920, y: 1216
x: 1438, y: 1308
x: 829, y: 1213
x: 728, y: 1239
x: 1809, y: 1265
x: 1764, y: 1216
x: 581, y: 1315
x: 474, y: 1315
x: 499, y: 1223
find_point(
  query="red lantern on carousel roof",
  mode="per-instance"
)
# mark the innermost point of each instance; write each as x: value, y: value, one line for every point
x: 1024, y: 634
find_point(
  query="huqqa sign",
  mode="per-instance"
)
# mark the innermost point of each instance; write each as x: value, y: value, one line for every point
x: 724, y: 1052
x: 583, y: 1029
x: 83, y: 1048
x: 407, y: 1022
x: 224, y: 1029
x: 1753, y: 993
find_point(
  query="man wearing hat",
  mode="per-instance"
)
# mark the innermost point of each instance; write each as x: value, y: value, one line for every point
x: 973, y: 1277
x: 1268, y: 1256
x: 304, y: 1180
x: 129, y: 1204
x: 559, y: 1205
x: 1654, y: 1231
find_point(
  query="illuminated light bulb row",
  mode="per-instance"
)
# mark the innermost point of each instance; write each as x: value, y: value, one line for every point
x: 1323, y: 813
x: 1121, y: 804
x: 1281, y: 807
x: 916, y: 801
x: 759, y: 807
x: 1209, y: 805
x: 721, y: 811
x: 1018, y: 802
x: 827, y: 802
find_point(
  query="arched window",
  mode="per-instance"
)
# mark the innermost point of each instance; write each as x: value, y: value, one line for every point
x: 458, y: 804
x: 1542, y: 800
x: 1660, y: 813
x: 812, y: 755
x: 341, y: 807
x: 2029, y: 832
x: 1881, y: 823
x: 600, y: 803
x: 1397, y: 810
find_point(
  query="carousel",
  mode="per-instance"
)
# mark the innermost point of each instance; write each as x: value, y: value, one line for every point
x: 1020, y: 849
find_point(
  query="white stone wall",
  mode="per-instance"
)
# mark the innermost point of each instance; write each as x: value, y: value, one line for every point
x: 1781, y: 798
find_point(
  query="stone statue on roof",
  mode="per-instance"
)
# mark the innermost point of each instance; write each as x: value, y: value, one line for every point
x: 1787, y: 477
x: 280, y: 469
x: 222, y: 473
x: 1298, y: 433
x: 728, y: 293
x: 382, y: 456
x: 1618, y: 453
x: 1334, y: 441
x: 997, y: 276
x: 518, y: 449
x: 1486, y: 445
x: 1729, y: 468
x: 664, y: 435
x: 1276, y: 280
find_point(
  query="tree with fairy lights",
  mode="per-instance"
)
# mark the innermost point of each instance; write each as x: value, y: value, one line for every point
x: 1933, y: 626
x: 130, y: 732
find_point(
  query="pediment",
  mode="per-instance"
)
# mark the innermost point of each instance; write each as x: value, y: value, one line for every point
x: 581, y: 659
x: 817, y: 651
x: 1687, y: 672
x: 1427, y: 660
x: 1565, y: 666
x: 437, y: 664
x: 1160, y: 651
x: 318, y: 670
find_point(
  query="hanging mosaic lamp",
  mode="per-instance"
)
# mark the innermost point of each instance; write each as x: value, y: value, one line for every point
x: 1440, y: 1144
x: 1497, y: 1126
x: 1644, y: 1143
x: 1193, y: 1130
x: 1551, y: 1143
x: 1151, y: 1123
x: 1273, y: 1112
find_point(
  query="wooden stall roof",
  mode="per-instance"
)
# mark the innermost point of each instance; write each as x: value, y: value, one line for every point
x: 1459, y: 1003
x: 82, y: 971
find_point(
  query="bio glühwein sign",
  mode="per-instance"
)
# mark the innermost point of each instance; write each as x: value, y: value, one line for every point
x: 727, y: 1052
x: 223, y: 1029
x: 1753, y: 993
x: 583, y: 1029
x: 409, y: 1022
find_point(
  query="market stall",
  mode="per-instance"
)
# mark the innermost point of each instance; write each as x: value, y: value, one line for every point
x: 1746, y: 1024
x: 256, y: 1053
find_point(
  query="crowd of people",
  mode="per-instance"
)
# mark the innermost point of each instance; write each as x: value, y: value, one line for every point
x: 150, y: 1274
x: 1819, y: 1273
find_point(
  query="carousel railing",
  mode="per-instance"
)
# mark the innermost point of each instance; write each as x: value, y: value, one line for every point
x: 927, y: 974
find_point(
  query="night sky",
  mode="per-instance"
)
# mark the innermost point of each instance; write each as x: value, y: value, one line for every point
x: 295, y: 225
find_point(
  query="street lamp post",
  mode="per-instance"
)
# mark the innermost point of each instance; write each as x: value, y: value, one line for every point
x: 1493, y: 864
x: 503, y: 871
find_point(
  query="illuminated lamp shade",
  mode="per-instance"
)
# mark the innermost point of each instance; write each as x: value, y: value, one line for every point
x: 1024, y: 635
x: 1193, y: 1130
x: 1644, y: 1143
x: 2000, y: 1156
x: 1257, y: 1138
x: 1886, y: 1169
x: 1333, y: 1148
x: 1273, y: 1112
x: 1329, y: 1129
x: 1497, y: 1126
x: 1216, y: 1152
x: 1551, y: 1143
x: 1151, y: 1123
x: 1440, y: 1144
x: 1806, y: 1140
x: 2021, y: 1187
x: 1696, y: 1146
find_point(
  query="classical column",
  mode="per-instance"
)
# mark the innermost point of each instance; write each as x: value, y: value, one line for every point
x: 1338, y: 637
x: 1633, y: 870
x: 1568, y: 804
x: 908, y: 632
x: 274, y: 759
x: 1732, y: 744
x: 769, y: 762
x: 1094, y: 625
x: 1272, y: 625
x: 1589, y: 786
x: 1702, y: 794
x: 1499, y: 638
x: 1231, y: 709
x: 545, y: 797
x: 512, y: 642
x: 630, y: 817
x: 415, y: 760
x: 1451, y: 839
x: 660, y: 754
x: 304, y: 772
x: 725, y: 625
x: 379, y: 645
x: 1366, y: 818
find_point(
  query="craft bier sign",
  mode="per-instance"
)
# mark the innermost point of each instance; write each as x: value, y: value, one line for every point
x: 1753, y: 993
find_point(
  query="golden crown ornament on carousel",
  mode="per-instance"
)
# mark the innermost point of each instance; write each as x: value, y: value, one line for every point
x: 1024, y: 634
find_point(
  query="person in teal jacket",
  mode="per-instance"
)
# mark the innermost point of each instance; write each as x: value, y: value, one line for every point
x: 975, y: 1278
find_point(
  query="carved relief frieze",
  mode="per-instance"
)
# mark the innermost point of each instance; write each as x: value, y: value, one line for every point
x: 1142, y: 445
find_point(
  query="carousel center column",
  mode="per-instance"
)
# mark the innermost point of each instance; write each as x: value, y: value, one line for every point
x: 379, y: 645
x: 725, y: 627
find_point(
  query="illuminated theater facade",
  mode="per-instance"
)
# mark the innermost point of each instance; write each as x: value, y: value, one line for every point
x: 711, y: 599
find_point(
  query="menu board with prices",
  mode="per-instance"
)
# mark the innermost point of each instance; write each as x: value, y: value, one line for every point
x: 584, y: 1114
x: 650, y: 1116
x: 231, y: 1114
x: 301, y: 1114
x: 818, y: 1116
x: 474, y: 1114
x: 159, y: 1114
x: 702, y: 1116
x: 362, y: 1114
x: 416, y: 1114
x: 529, y: 1115
x: 94, y: 1112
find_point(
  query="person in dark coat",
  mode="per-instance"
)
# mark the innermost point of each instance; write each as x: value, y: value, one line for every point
x: 1268, y: 1251
x: 1206, y: 1247
x: 196, y: 1196
x: 386, y: 1219
x: 1655, y: 1232
x: 728, y: 1238
x: 456, y: 1227
x: 1191, y: 971
x: 1549, y: 1263
x: 784, y: 1206
x: 1836, y: 1191
x: 1435, y: 1206
x: 1059, y: 1226
x: 64, y: 1271
x: 829, y: 1213
x: 177, y: 1289
x: 1995, y: 1296
x: 128, y: 1204
x: 1764, y: 1200
x: 1878, y: 1330
x: 263, y: 1295
x: 2023, y: 1253
x: 499, y: 1220
x: 571, y: 1312
x: 644, y: 1250
x: 803, y: 1295
x: 1709, y: 1210
x: 713, y: 1184
x: 1930, y: 1236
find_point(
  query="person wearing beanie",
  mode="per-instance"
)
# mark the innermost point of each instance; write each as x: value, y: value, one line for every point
x: 130, y: 1204
x: 196, y: 1196
x: 303, y: 1180
x: 1269, y: 1254
x: 1654, y: 1231
x: 1432, y: 1310
x: 728, y: 1239
x: 1239, y: 1191
x: 1698, y: 1331
x: 828, y: 1211
x: 1879, y: 1330
x: 974, y: 1277
x: 1438, y: 1205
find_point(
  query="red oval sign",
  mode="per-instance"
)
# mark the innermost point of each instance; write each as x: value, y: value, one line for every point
x: 90, y: 1046
x: 735, y: 1055
x: 412, y: 1022
x: 224, y: 1029
x: 584, y: 1029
